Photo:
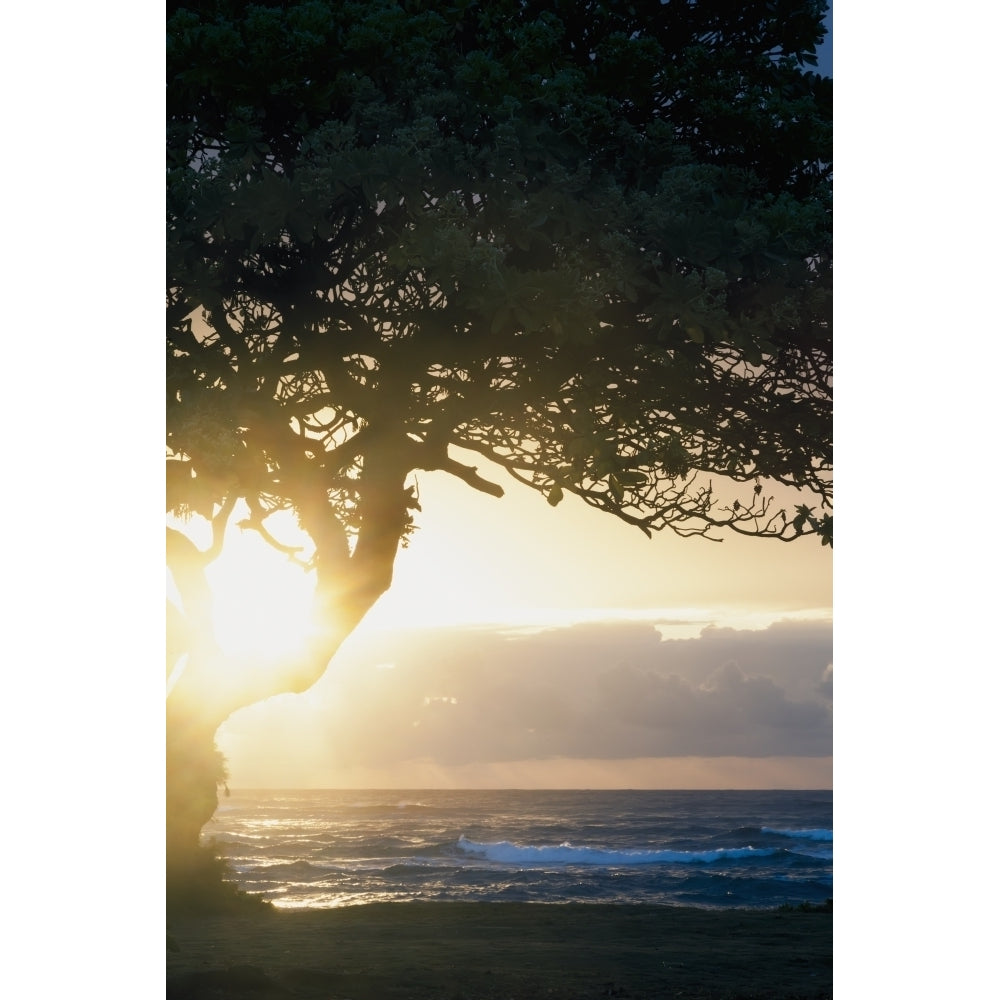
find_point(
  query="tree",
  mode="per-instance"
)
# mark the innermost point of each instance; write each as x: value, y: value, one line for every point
x: 589, y: 242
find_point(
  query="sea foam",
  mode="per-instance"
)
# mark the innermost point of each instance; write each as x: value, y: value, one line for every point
x: 824, y: 835
x: 505, y: 852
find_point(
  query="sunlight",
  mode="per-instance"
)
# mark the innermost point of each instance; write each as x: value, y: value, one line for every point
x: 530, y: 569
x: 263, y: 601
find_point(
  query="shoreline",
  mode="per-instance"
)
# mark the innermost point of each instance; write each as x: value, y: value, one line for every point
x: 487, y: 951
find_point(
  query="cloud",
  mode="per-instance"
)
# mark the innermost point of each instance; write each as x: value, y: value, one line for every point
x: 607, y: 691
x: 730, y: 713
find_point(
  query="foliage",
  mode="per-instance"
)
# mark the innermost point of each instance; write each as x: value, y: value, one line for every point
x: 205, y: 886
x: 196, y: 873
x: 590, y: 242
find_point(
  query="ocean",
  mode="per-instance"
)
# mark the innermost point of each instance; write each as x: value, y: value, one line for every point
x: 714, y: 849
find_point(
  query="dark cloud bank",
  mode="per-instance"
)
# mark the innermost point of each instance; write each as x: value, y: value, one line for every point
x: 609, y: 691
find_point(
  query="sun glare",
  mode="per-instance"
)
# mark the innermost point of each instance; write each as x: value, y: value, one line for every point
x: 514, y: 564
x: 263, y: 602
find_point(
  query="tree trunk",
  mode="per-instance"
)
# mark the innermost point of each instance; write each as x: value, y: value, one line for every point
x: 211, y: 686
x: 195, y: 768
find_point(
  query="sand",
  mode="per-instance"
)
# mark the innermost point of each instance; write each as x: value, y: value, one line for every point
x: 500, y: 951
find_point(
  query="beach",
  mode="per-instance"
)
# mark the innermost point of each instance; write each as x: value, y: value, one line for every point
x: 489, y: 951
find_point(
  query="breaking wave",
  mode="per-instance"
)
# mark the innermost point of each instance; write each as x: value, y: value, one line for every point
x: 824, y: 835
x: 505, y: 852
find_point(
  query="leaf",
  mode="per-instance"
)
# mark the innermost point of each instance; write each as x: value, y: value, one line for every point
x: 615, y: 488
x: 554, y: 496
x: 632, y: 479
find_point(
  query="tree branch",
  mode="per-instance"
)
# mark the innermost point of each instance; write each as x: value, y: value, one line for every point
x: 255, y: 522
x: 467, y: 473
x: 219, y: 528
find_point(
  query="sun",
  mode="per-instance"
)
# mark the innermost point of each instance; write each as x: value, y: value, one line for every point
x: 262, y: 600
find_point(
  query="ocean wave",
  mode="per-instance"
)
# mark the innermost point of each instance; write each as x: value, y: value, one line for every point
x: 567, y: 854
x: 388, y: 807
x: 299, y: 867
x: 324, y: 849
x: 818, y: 834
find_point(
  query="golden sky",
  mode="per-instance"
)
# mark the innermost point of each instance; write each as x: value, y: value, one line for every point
x: 528, y: 646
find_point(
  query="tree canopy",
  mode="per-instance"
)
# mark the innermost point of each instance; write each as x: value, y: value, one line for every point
x: 590, y: 242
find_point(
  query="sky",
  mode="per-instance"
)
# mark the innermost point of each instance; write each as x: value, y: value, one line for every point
x: 528, y: 646
x: 535, y: 647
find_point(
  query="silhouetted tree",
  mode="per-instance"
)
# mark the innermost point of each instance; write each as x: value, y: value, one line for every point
x: 588, y: 241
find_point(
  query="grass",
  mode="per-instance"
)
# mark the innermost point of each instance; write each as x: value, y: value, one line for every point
x: 502, y: 951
